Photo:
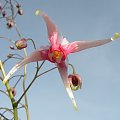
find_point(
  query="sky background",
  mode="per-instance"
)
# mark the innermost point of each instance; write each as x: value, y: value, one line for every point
x: 99, y: 98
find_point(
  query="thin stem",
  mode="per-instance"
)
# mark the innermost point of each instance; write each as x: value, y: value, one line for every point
x: 32, y: 42
x: 72, y: 68
x: 46, y: 72
x: 25, y: 96
x: 14, y: 104
x: 17, y: 31
x: 9, y: 110
x: 18, y: 81
x: 34, y: 46
x: 15, y: 112
x: 36, y: 76
x: 3, y: 92
x: 8, y: 39
x: 4, y: 117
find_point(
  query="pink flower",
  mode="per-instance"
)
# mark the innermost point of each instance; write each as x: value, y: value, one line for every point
x: 57, y: 52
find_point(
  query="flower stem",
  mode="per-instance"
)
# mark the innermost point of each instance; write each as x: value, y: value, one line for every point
x: 14, y: 104
x: 25, y: 96
x: 15, y: 111
x: 74, y: 72
x: 36, y: 76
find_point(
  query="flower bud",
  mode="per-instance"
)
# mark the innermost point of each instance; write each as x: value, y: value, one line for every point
x: 0, y: 6
x: 75, y: 81
x: 20, y: 11
x: 13, y: 90
x: 3, y: 13
x: 18, y: 6
x: 12, y: 47
x: 10, y: 55
x: 20, y: 44
x: 9, y: 24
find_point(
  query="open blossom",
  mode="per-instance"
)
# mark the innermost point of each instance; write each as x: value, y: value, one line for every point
x: 57, y: 52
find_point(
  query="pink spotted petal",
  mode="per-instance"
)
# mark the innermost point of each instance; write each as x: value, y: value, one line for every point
x: 38, y: 55
x: 82, y: 45
x: 63, y: 70
x: 53, y: 33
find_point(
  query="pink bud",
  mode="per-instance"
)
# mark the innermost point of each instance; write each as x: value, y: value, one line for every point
x: 3, y: 13
x: 13, y: 90
x: 75, y: 81
x: 20, y: 44
x: 10, y: 55
x: 20, y: 11
x: 0, y: 6
x: 12, y: 47
x: 9, y: 24
x: 18, y: 6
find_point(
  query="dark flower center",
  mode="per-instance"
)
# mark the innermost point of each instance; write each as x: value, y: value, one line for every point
x: 74, y: 81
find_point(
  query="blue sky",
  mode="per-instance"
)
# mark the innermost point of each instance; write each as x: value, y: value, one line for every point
x: 99, y: 67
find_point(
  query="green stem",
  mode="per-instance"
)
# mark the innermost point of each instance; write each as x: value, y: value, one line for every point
x: 15, y: 111
x: 36, y: 76
x: 74, y: 72
x: 14, y: 104
x: 25, y: 96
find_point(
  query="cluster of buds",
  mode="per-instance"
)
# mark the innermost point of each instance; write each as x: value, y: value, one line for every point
x: 9, y: 11
x: 19, y: 10
x: 9, y: 24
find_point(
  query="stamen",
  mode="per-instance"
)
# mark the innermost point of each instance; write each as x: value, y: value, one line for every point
x: 56, y: 54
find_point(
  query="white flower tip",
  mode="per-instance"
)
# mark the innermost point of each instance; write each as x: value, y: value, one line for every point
x: 74, y: 104
x: 116, y: 36
x: 38, y: 12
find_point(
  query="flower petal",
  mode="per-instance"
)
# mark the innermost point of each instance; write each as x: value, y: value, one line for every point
x: 64, y: 41
x: 82, y: 45
x: 53, y: 33
x: 38, y: 55
x: 63, y: 70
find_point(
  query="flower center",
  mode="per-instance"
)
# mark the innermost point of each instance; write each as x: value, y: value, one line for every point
x: 56, y: 56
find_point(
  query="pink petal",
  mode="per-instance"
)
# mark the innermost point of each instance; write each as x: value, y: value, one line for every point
x: 38, y: 55
x: 53, y: 33
x: 82, y: 45
x: 63, y: 70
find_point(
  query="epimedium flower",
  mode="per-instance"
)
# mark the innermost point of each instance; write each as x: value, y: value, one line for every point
x: 57, y: 52
x: 20, y: 44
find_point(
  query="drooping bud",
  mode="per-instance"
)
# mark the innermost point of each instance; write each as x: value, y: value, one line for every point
x: 0, y: 6
x: 18, y: 6
x: 20, y: 11
x: 9, y: 24
x: 75, y: 81
x: 10, y: 55
x: 3, y: 13
x: 20, y: 44
x: 13, y: 90
x: 12, y: 47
